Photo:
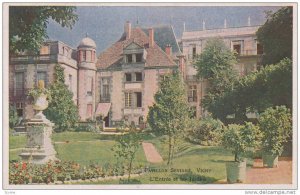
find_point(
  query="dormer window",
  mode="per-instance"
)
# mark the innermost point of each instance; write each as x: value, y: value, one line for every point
x: 129, y: 58
x: 139, y: 57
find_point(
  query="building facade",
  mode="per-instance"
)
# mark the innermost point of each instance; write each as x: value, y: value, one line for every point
x: 121, y: 82
x: 242, y: 40
x: 118, y: 85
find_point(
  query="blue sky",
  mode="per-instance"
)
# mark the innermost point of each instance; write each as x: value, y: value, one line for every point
x: 106, y: 24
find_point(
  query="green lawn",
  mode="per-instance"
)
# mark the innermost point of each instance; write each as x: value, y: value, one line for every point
x: 206, y: 164
x: 92, y: 152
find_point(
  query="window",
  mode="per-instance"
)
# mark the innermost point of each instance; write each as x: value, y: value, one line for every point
x: 70, y: 82
x: 129, y: 58
x: 237, y: 49
x: 138, y: 96
x: 105, y: 94
x: 84, y: 56
x: 237, y: 46
x: 90, y: 86
x: 194, y: 51
x: 19, y: 108
x: 128, y: 77
x: 41, y: 76
x: 260, y: 49
x: 89, y: 111
x: 138, y: 76
x: 19, y: 84
x: 139, y: 57
x: 128, y: 99
x: 192, y: 96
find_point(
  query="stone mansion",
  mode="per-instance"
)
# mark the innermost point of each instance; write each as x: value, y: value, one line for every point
x: 121, y: 82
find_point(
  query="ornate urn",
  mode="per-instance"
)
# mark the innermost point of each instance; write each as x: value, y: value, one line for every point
x: 40, y: 96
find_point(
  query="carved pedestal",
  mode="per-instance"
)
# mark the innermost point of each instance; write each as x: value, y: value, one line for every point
x: 39, y: 148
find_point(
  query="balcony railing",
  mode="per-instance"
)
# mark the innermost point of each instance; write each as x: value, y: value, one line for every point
x: 33, y: 58
x: 104, y: 99
x: 249, y: 53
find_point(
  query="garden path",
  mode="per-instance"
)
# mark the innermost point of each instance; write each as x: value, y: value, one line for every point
x: 280, y: 175
x: 151, y: 153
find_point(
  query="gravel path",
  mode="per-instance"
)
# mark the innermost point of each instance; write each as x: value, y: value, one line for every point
x: 151, y: 153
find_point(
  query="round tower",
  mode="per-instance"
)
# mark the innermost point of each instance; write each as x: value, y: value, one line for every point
x: 86, y: 56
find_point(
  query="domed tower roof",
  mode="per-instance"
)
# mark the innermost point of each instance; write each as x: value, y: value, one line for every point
x: 87, y: 42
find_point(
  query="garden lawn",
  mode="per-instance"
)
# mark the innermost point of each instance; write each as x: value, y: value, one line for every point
x: 98, y: 152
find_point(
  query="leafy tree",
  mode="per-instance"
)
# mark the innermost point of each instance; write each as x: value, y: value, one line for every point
x: 28, y: 25
x: 240, y: 139
x: 61, y: 110
x: 256, y: 92
x: 276, y: 125
x: 216, y: 64
x: 276, y: 35
x: 13, y: 116
x: 126, y: 148
x: 170, y: 113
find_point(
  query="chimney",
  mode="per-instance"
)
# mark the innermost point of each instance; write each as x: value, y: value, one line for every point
x: 183, y: 26
x: 225, y: 23
x: 151, y: 37
x: 127, y: 30
x: 203, y: 24
x: 168, y: 50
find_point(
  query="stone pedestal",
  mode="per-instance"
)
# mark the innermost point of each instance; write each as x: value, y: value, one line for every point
x: 39, y: 148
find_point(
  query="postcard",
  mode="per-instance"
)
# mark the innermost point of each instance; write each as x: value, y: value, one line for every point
x: 150, y: 96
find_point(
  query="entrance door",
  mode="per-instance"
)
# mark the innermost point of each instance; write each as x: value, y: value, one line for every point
x: 106, y: 120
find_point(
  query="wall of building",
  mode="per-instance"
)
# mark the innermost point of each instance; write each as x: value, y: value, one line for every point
x: 69, y: 70
x: 117, y: 96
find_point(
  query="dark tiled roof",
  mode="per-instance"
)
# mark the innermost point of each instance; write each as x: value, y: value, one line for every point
x: 113, y: 55
x: 164, y: 35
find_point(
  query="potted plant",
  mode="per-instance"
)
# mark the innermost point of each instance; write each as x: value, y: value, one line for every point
x: 239, y: 139
x: 276, y: 126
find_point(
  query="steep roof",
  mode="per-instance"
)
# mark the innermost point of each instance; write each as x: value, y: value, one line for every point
x: 164, y: 35
x: 113, y: 55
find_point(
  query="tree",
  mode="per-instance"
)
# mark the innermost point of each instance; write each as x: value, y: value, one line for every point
x: 61, y: 110
x: 276, y: 125
x: 240, y: 139
x: 170, y: 113
x: 276, y: 35
x: 270, y: 86
x: 28, y: 25
x: 126, y: 148
x: 216, y: 64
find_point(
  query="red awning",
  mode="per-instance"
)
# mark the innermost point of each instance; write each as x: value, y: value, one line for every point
x: 103, y: 109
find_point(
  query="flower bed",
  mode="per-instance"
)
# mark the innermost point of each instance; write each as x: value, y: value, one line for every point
x: 60, y: 172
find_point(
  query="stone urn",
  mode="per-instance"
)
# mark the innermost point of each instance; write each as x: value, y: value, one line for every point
x: 39, y: 148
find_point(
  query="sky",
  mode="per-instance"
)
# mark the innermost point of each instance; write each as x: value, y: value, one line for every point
x: 105, y: 24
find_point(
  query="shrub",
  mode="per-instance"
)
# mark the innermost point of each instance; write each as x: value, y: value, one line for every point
x: 276, y: 125
x: 241, y: 139
x: 53, y: 171
x: 205, y: 131
x: 13, y: 117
